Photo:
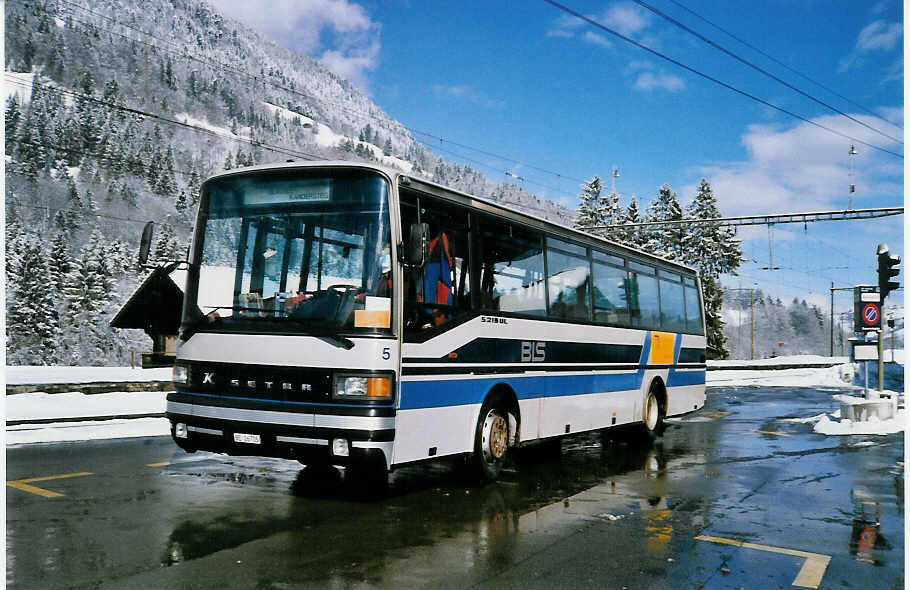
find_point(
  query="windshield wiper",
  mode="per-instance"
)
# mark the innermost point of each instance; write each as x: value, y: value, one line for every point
x: 339, y: 341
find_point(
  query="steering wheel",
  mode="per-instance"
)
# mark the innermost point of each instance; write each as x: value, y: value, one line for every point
x: 345, y: 289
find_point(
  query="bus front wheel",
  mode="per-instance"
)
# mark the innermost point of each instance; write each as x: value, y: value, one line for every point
x: 491, y: 440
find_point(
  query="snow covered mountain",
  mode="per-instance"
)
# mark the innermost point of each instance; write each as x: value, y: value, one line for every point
x: 117, y: 111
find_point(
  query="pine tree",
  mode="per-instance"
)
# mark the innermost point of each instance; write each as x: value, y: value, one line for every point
x: 165, y: 246
x: 665, y: 240
x: 610, y: 210
x: 13, y: 116
x: 589, y: 213
x: 714, y: 250
x: 631, y: 236
x: 61, y: 263
x: 710, y: 247
x: 32, y: 325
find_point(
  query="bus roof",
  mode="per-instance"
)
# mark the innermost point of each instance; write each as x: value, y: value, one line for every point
x: 489, y: 205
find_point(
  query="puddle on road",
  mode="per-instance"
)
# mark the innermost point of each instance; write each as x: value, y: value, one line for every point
x: 426, y: 502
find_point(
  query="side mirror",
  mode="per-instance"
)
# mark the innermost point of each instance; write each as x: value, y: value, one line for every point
x: 418, y: 244
x: 145, y: 243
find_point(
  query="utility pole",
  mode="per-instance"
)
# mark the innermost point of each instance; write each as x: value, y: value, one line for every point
x: 831, y: 316
x: 831, y: 323
x: 751, y: 319
x: 852, y: 181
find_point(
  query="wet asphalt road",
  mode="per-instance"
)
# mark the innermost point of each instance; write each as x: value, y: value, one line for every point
x: 613, y: 514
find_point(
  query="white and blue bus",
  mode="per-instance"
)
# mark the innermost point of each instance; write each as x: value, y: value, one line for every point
x: 346, y: 314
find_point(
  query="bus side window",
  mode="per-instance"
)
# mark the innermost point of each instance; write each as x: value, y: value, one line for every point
x: 644, y: 305
x: 512, y: 279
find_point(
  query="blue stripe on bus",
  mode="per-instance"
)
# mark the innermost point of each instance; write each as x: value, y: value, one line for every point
x: 437, y: 394
x: 678, y: 378
x: 677, y: 348
x: 645, y: 349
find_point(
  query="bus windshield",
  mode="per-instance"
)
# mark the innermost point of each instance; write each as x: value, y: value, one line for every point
x: 301, y: 250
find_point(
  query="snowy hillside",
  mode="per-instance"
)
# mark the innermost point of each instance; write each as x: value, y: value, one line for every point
x: 115, y: 114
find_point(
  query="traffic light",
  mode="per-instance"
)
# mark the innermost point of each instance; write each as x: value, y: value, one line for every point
x: 887, y: 270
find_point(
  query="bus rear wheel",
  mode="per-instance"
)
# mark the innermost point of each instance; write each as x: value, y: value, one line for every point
x: 653, y: 413
x: 491, y: 440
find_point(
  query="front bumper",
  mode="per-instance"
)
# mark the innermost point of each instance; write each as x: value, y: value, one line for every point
x: 304, y: 434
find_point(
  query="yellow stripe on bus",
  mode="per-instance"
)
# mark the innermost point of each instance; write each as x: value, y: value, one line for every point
x: 663, y: 345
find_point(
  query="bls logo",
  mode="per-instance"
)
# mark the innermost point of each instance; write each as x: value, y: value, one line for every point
x: 533, y: 352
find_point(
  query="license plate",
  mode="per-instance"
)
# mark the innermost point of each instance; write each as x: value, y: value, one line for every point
x: 250, y: 439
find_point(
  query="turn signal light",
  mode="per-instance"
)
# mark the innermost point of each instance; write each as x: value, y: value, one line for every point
x: 379, y: 387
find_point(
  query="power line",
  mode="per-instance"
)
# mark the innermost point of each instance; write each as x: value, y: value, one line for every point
x: 783, y: 65
x: 80, y: 212
x: 493, y: 155
x: 710, y: 78
x: 182, y: 53
x: 163, y: 119
x: 759, y: 69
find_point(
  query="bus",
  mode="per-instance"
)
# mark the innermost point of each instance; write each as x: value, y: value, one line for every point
x: 346, y: 314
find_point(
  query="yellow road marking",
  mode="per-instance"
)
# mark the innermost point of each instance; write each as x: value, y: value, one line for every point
x: 22, y: 484
x: 809, y: 576
x: 162, y: 464
x: 717, y: 414
x: 773, y: 433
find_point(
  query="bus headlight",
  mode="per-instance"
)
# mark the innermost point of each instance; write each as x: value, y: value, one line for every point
x: 181, y: 374
x: 362, y: 387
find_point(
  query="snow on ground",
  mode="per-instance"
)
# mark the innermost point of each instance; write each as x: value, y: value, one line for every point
x: 837, y: 376
x: 288, y: 114
x: 798, y: 359
x: 46, y: 406
x: 88, y: 430
x: 242, y: 132
x: 38, y: 375
x: 43, y: 406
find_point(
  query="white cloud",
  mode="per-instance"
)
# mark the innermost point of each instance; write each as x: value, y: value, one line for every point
x: 805, y: 168
x: 339, y: 33
x: 466, y: 93
x: 596, y: 39
x: 626, y: 18
x: 648, y: 81
x: 353, y: 64
x: 878, y: 35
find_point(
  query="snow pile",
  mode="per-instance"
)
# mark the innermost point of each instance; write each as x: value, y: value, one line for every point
x: 833, y: 425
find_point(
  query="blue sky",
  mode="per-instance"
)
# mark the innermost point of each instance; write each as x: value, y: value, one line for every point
x: 530, y: 82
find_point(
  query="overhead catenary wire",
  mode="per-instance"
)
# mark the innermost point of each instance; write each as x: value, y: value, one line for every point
x: 713, y: 79
x: 759, y: 69
x: 783, y: 65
